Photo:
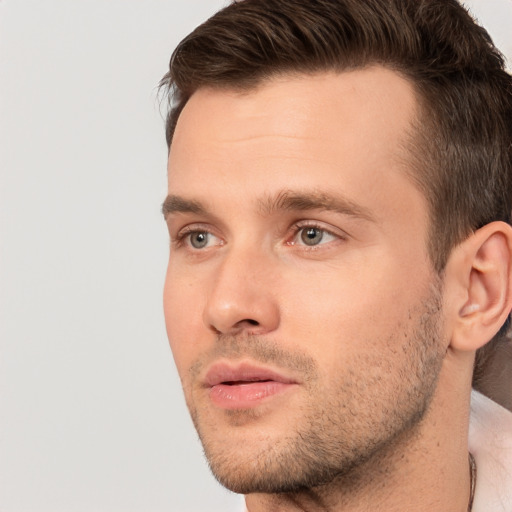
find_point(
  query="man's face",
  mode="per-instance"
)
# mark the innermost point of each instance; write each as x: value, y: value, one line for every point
x: 301, y: 306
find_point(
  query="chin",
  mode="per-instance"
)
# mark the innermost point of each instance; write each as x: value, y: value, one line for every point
x: 310, y: 457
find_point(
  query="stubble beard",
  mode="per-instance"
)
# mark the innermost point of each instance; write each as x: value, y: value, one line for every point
x: 375, y: 405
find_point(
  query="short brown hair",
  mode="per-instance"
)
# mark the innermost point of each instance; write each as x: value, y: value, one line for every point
x: 461, y: 152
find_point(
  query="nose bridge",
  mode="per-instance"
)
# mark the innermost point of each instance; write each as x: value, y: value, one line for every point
x: 241, y: 294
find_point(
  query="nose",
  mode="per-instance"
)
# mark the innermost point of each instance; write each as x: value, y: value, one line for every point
x: 242, y: 297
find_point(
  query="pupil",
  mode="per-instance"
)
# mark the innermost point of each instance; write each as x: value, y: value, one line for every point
x: 312, y: 236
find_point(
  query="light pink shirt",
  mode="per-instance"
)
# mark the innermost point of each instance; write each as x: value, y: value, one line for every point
x: 490, y: 442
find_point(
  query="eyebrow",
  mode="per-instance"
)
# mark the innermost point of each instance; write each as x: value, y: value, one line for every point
x: 177, y: 204
x: 285, y: 200
x: 292, y: 201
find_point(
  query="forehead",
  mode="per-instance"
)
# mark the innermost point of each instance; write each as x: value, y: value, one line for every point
x: 328, y: 131
x: 366, y: 94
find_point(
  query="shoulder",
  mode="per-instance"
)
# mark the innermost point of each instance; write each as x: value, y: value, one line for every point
x: 490, y: 442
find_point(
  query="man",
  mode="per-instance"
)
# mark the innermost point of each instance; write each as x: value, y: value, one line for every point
x: 340, y: 192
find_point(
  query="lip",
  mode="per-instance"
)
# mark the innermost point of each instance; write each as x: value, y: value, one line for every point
x: 244, y: 385
x: 220, y: 373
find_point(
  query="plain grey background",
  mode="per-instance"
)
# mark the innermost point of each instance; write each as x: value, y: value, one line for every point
x: 91, y: 412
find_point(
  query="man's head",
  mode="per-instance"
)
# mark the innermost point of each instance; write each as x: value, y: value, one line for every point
x: 328, y: 160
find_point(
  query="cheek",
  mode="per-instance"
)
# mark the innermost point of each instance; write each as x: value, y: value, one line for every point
x: 182, y: 311
x: 357, y: 282
x: 345, y: 312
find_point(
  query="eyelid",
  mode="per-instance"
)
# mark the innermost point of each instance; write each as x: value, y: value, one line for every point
x: 180, y: 238
x: 303, y: 224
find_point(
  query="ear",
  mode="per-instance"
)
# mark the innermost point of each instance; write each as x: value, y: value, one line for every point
x: 478, y: 277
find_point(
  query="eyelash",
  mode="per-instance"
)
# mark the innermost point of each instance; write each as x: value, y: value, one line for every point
x: 180, y: 240
x: 303, y: 225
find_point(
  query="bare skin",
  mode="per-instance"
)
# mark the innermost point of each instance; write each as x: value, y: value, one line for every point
x: 325, y: 365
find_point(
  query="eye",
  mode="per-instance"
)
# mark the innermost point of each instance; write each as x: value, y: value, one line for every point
x: 312, y: 236
x: 196, y: 239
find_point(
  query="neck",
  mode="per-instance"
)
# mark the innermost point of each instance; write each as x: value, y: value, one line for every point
x: 424, y: 469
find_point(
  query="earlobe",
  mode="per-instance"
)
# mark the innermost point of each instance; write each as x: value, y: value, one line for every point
x: 482, y: 266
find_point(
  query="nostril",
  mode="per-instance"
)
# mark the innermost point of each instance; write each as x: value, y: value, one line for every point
x: 246, y: 323
x: 239, y: 326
